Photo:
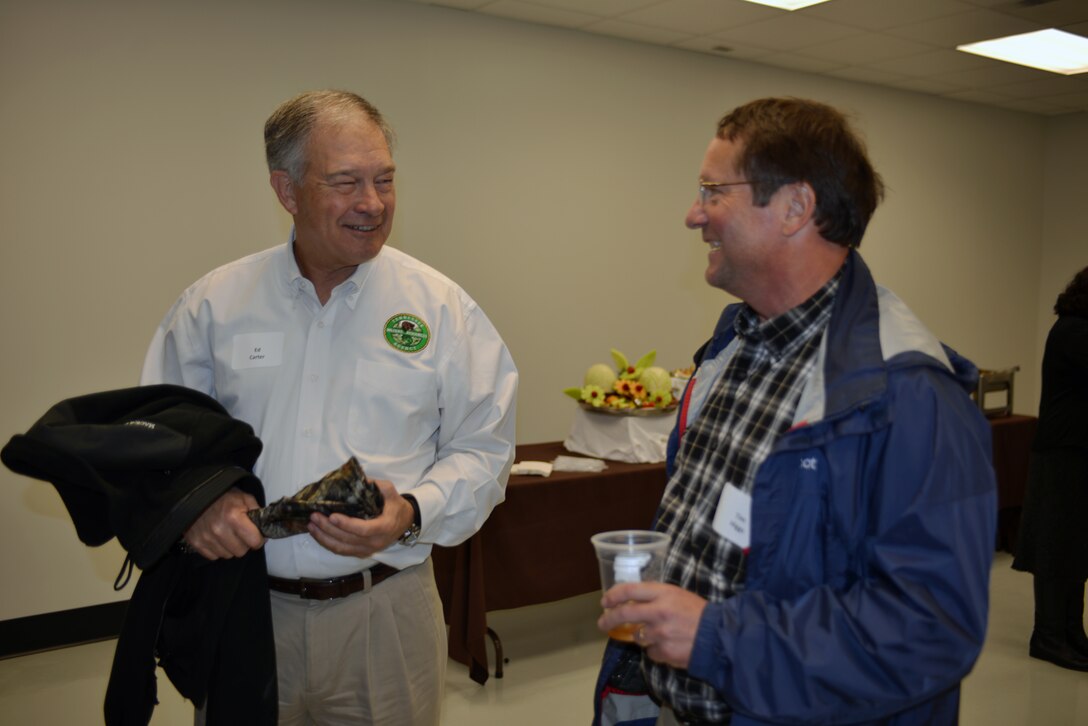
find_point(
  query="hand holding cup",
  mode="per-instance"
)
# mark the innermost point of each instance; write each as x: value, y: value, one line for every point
x: 630, y: 555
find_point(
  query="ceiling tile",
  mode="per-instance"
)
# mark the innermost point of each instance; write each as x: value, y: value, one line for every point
x: 989, y: 3
x: 864, y: 75
x: 789, y: 32
x: 701, y: 16
x: 1044, y: 87
x: 865, y: 48
x: 968, y: 27
x: 714, y: 46
x: 903, y: 44
x: 1052, y: 13
x: 881, y: 14
x: 933, y: 63
x: 995, y: 75
x: 1074, y: 100
x: 799, y: 62
x: 603, y: 8
x: 516, y: 10
x: 460, y: 4
x: 1036, y: 106
x: 976, y: 96
x: 925, y: 85
x: 632, y: 31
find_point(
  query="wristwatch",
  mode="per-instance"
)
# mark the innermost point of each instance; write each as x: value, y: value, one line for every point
x: 411, y: 535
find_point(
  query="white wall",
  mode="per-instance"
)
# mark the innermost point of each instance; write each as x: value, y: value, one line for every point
x: 1065, y: 235
x: 548, y: 171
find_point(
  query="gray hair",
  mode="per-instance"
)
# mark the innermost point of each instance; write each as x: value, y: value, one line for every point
x: 288, y: 128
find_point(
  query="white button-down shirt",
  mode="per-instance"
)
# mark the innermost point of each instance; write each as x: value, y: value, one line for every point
x: 322, y: 383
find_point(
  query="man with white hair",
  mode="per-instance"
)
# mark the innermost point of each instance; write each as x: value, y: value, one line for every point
x: 332, y: 346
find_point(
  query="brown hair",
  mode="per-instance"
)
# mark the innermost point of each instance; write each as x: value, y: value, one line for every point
x: 788, y: 140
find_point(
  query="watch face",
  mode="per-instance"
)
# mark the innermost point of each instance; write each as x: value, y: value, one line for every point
x: 411, y: 536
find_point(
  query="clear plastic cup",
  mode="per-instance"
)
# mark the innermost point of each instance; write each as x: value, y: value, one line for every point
x: 630, y: 555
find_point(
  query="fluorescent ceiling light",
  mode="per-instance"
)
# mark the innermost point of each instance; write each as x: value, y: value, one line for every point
x: 1050, y: 50
x: 788, y: 4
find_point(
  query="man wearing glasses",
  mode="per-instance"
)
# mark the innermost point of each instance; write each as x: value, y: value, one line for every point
x: 831, y: 499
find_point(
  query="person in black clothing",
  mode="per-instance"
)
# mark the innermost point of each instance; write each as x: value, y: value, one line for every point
x: 1053, y: 542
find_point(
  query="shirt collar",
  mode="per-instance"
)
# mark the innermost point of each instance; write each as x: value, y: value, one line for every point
x: 295, y: 280
x: 785, y: 333
x: 350, y: 287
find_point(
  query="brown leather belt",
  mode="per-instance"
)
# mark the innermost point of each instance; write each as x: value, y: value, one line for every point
x: 333, y: 587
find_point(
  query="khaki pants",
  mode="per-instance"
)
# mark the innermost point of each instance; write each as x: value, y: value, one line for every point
x: 666, y: 717
x: 375, y: 657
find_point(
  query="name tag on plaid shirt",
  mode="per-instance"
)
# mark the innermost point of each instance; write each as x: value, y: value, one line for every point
x: 733, y: 519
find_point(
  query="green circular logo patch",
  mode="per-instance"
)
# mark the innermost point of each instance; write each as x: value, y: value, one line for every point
x: 407, y: 333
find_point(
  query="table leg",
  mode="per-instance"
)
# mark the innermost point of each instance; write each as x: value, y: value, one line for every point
x: 499, y: 660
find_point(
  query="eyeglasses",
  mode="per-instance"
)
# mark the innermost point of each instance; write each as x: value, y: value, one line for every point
x: 707, y: 188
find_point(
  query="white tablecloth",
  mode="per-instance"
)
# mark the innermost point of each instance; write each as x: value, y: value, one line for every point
x: 632, y: 439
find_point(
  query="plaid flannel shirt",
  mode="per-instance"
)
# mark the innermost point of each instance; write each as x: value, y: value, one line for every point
x: 751, y: 405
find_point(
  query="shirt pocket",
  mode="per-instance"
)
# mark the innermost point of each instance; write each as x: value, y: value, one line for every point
x: 393, y: 409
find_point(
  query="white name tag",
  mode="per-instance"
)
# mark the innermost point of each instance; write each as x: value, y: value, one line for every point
x: 257, y: 350
x: 734, y: 515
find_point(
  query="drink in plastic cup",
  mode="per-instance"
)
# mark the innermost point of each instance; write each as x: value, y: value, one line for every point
x: 630, y: 555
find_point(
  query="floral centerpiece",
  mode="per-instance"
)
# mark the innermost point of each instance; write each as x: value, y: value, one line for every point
x: 627, y: 387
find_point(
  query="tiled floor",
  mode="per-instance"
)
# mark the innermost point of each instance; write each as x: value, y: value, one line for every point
x: 553, y: 652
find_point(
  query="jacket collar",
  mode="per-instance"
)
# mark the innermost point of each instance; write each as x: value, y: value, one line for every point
x: 853, y: 361
x: 871, y: 332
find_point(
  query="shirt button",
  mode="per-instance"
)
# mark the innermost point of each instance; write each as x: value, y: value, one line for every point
x: 307, y: 432
x: 313, y: 376
x: 321, y: 323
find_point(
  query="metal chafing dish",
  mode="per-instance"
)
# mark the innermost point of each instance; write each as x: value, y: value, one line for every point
x: 991, y: 386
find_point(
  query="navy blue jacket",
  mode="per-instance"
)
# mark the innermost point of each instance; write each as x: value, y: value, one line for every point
x: 873, y: 530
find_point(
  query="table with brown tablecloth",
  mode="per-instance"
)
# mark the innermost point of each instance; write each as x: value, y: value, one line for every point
x: 534, y: 548
x: 1012, y: 436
